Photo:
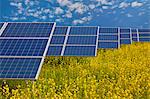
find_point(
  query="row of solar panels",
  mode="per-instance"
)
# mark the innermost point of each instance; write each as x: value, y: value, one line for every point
x: 23, y: 46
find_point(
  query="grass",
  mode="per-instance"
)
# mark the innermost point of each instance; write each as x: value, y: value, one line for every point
x: 115, y: 73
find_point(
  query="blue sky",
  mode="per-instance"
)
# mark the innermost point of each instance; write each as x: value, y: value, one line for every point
x: 105, y: 13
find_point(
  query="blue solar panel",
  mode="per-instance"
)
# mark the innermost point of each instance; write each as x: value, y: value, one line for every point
x: 135, y: 39
x: 108, y: 30
x: 144, y: 39
x: 1, y: 24
x: 134, y: 35
x: 124, y: 30
x: 108, y: 37
x: 54, y: 51
x: 108, y: 45
x: 134, y: 30
x: 144, y: 30
x: 22, y: 47
x: 144, y: 34
x: 125, y: 41
x: 60, y: 30
x: 124, y: 35
x: 82, y: 40
x: 19, y: 68
x: 80, y: 51
x: 57, y: 40
x: 83, y: 31
x: 28, y: 30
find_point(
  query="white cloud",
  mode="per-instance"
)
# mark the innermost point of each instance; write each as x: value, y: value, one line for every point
x: 58, y: 10
x: 64, y: 2
x: 124, y: 5
x: 129, y: 15
x: 92, y: 6
x: 68, y: 14
x: 78, y: 7
x: 82, y: 20
x: 136, y: 4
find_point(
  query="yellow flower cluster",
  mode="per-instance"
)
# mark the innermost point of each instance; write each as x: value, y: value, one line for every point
x: 114, y: 74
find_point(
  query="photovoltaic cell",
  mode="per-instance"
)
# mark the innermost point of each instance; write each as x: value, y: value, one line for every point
x: 124, y: 30
x: 83, y: 31
x: 108, y: 30
x: 54, y: 51
x: 89, y: 40
x: 57, y: 40
x: 22, y: 47
x: 108, y: 45
x: 144, y: 39
x: 144, y: 34
x: 125, y: 41
x: 144, y: 30
x: 80, y: 51
x: 135, y: 39
x: 108, y: 37
x: 28, y: 30
x: 60, y: 31
x: 125, y: 36
x: 23, y: 68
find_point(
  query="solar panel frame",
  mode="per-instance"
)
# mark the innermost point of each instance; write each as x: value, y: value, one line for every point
x: 3, y: 28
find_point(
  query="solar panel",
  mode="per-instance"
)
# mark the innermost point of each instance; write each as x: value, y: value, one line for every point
x: 144, y: 34
x: 57, y: 40
x: 80, y: 51
x: 109, y: 30
x: 28, y: 30
x: 125, y: 41
x: 144, y: 30
x: 108, y: 45
x: 125, y: 30
x: 60, y: 30
x: 23, y: 47
x: 125, y: 36
x: 21, y: 68
x: 144, y: 39
x: 77, y: 37
x: 89, y: 40
x: 108, y: 37
x: 83, y: 31
x: 54, y: 50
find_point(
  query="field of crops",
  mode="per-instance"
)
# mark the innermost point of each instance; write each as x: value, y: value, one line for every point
x: 113, y: 74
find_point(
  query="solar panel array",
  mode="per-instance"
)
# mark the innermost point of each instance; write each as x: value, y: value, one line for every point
x: 144, y: 35
x: 73, y: 41
x: 23, y: 47
x: 108, y: 38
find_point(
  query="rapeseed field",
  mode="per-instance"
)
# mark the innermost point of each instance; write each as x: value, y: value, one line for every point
x: 114, y: 74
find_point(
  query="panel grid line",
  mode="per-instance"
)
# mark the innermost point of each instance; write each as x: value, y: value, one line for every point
x: 97, y: 41
x: 65, y: 42
x: 131, y: 35
x: 119, y: 37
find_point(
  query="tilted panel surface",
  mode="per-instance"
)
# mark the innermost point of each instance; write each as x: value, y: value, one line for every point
x: 22, y: 47
x: 20, y: 68
x: 28, y: 30
x: 83, y: 31
x: 89, y: 40
x: 60, y: 30
x: 80, y: 51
